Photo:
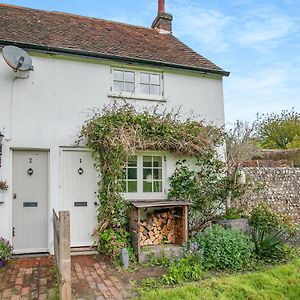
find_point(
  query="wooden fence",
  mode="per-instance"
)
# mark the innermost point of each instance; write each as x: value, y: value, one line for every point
x: 62, y: 252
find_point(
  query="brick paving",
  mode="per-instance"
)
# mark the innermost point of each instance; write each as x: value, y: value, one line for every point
x: 35, y: 279
x: 93, y: 278
x: 28, y: 278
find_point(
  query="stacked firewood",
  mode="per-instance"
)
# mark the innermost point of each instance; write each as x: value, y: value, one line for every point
x: 158, y: 228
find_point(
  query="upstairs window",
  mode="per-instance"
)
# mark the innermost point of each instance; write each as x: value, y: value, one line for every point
x: 123, y: 81
x: 137, y: 83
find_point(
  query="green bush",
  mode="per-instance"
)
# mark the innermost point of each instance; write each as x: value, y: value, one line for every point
x: 225, y: 249
x: 268, y: 232
x: 6, y: 249
x: 263, y: 218
x: 112, y: 240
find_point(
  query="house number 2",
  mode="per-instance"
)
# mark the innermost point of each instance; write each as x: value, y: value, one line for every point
x: 30, y: 160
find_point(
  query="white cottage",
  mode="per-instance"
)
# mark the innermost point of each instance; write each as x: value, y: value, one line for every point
x: 82, y: 63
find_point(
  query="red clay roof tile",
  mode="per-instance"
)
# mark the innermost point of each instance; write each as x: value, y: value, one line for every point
x: 28, y: 26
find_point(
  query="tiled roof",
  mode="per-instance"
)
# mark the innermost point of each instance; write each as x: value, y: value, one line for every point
x: 62, y: 32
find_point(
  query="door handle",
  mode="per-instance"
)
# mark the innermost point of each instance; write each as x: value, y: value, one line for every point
x: 96, y: 203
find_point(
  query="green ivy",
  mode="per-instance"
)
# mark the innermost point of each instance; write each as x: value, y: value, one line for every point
x: 119, y: 130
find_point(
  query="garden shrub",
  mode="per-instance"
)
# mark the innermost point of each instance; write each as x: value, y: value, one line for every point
x: 225, y: 248
x: 6, y: 249
x: 112, y: 240
x: 269, y: 231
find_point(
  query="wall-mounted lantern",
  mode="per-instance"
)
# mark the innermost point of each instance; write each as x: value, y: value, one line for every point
x: 1, y: 139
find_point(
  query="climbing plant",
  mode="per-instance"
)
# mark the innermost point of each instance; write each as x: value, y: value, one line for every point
x: 119, y: 130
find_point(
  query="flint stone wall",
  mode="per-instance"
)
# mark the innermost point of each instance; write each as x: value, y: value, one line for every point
x: 278, y: 187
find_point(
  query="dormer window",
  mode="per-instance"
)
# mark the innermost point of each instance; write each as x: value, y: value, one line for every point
x: 137, y: 84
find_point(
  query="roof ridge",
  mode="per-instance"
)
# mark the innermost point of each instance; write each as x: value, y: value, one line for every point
x: 76, y: 15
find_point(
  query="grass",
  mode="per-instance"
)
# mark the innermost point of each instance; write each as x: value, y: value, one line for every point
x: 278, y: 283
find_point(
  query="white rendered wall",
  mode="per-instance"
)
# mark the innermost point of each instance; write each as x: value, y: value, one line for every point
x: 49, y: 108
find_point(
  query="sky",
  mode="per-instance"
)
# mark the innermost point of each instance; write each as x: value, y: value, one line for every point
x: 258, y: 41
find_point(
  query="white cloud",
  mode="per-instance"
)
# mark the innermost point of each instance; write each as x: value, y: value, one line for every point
x: 205, y: 27
x: 261, y: 29
x: 265, y: 91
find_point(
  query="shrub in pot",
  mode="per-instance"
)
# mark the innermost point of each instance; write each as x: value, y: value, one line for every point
x: 6, y: 250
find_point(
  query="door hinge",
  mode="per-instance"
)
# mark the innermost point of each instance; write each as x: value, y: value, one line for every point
x: 13, y: 232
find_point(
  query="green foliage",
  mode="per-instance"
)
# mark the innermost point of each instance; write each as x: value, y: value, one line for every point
x: 6, y: 249
x: 117, y: 131
x: 268, y: 230
x: 295, y: 143
x: 263, y: 218
x: 112, y: 240
x: 277, y: 283
x: 205, y: 189
x: 188, y: 268
x: 225, y: 249
x: 267, y: 245
x: 279, y: 131
x: 234, y: 214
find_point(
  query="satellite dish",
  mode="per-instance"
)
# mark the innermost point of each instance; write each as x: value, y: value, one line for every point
x: 17, y: 58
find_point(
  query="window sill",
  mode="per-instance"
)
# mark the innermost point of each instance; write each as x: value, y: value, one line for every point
x: 137, y: 97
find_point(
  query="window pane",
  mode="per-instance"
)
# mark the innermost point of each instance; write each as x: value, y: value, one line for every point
x: 129, y: 87
x: 145, y: 78
x: 147, y: 175
x: 132, y: 161
x: 157, y: 186
x: 147, y: 161
x: 118, y: 86
x: 132, y: 173
x: 157, y: 174
x: 118, y: 75
x: 132, y: 186
x: 147, y: 187
x: 155, y: 79
x: 157, y: 161
x: 129, y: 76
x: 155, y: 90
x: 145, y: 89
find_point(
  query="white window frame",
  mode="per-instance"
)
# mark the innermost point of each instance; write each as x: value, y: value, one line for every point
x: 140, y: 195
x: 137, y: 90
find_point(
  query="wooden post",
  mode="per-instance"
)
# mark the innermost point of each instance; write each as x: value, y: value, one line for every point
x: 185, y: 225
x: 65, y: 255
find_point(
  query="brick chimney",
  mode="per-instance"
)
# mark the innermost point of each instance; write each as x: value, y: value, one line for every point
x: 163, y: 21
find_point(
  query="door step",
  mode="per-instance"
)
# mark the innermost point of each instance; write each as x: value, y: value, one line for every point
x: 83, y: 251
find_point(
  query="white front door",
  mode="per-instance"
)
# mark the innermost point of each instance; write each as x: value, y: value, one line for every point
x: 30, y: 201
x: 79, y: 195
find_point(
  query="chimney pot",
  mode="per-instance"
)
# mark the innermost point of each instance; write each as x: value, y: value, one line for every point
x: 161, y: 6
x: 163, y: 21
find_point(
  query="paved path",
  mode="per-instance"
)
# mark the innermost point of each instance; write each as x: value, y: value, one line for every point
x: 35, y: 279
x: 93, y: 279
x: 28, y: 278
